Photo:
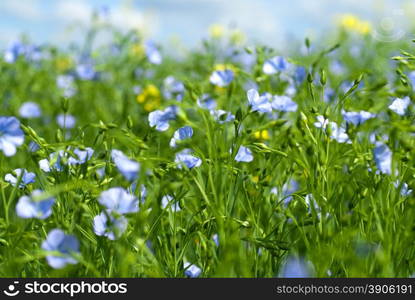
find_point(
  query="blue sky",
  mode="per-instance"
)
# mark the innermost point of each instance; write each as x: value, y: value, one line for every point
x: 272, y: 21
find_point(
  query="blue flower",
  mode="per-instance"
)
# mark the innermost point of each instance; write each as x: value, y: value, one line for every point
x: 35, y: 206
x: 119, y: 200
x: 215, y: 239
x: 191, y: 270
x: 290, y: 90
x: 288, y: 189
x: 275, y: 65
x: 259, y: 103
x: 404, y: 189
x: 173, y: 88
x: 11, y: 135
x: 53, y: 163
x: 322, y: 122
x: 127, y: 167
x: 375, y: 138
x: 221, y: 78
x: 337, y: 68
x: 106, y: 224
x: 152, y: 53
x: 30, y: 110
x: 222, y: 116
x: 143, y: 193
x: 168, y: 201
x: 64, y: 81
x: 100, y: 172
x: 300, y: 74
x: 33, y: 147
x: 399, y: 105
x: 337, y: 133
x: 25, y: 179
x: 82, y: 156
x: 67, y: 85
x: 33, y: 53
x: 185, y: 158
x: 295, y: 268
x: 58, y: 159
x: 356, y: 50
x: 284, y: 103
x: 13, y: 51
x: 85, y: 70
x: 66, y: 121
x: 311, y: 203
x: 244, y: 155
x: 137, y: 89
x: 65, y: 245
x: 329, y: 94
x: 411, y: 77
x: 357, y: 118
x: 160, y: 118
x: 144, y: 73
x: 245, y: 59
x: 383, y: 158
x: 181, y: 134
x: 206, y: 102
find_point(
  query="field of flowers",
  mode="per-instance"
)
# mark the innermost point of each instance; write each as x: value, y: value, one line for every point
x: 230, y: 161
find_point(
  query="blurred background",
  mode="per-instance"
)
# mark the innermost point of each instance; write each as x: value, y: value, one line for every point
x: 186, y: 22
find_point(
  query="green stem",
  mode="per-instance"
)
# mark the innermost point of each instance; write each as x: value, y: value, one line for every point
x: 5, y: 206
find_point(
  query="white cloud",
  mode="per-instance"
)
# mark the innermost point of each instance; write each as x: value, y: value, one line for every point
x: 74, y: 10
x: 125, y: 17
x: 256, y: 18
x: 263, y: 20
x: 28, y: 10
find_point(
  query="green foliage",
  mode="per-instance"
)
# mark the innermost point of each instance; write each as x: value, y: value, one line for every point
x: 358, y: 223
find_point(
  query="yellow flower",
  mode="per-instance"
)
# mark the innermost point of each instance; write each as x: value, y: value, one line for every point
x: 152, y: 105
x: 353, y: 23
x: 150, y: 97
x: 255, y: 179
x: 364, y: 27
x: 220, y: 90
x: 349, y: 21
x: 63, y: 64
x: 237, y: 37
x: 261, y: 135
x: 221, y: 67
x: 216, y: 31
x: 137, y: 50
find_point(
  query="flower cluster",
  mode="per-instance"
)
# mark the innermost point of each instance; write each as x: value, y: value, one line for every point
x: 111, y: 222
